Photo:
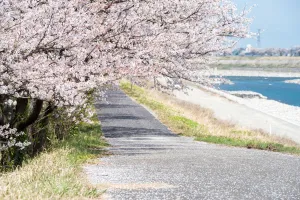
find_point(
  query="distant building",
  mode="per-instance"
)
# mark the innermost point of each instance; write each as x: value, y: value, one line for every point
x: 249, y: 48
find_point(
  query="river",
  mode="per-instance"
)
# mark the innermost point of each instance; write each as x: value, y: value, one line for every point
x: 272, y: 87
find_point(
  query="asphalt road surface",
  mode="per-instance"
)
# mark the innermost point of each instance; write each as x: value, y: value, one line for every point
x: 150, y: 162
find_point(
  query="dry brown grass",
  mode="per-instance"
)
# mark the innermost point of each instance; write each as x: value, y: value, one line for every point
x: 57, y: 174
x: 50, y: 176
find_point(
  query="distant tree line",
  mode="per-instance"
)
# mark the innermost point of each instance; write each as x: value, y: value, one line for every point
x: 294, y: 51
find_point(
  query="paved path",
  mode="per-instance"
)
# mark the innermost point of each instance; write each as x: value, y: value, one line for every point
x: 150, y: 162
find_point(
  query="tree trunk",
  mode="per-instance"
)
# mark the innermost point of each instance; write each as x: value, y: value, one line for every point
x: 40, y: 139
x: 36, y: 110
x: 20, y: 112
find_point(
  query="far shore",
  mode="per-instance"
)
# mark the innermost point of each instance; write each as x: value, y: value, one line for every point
x: 257, y: 62
x: 256, y: 73
x: 257, y: 66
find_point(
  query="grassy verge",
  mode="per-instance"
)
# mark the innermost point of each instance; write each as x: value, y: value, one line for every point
x: 56, y: 174
x: 191, y: 120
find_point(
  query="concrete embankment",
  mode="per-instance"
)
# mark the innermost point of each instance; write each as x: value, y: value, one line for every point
x: 261, y: 114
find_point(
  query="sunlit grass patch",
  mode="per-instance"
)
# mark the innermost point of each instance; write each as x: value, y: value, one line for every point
x: 250, y: 144
x: 184, y: 121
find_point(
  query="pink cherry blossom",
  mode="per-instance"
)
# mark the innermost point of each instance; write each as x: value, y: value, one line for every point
x: 57, y: 50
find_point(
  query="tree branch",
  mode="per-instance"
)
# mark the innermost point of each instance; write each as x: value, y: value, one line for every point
x: 36, y: 110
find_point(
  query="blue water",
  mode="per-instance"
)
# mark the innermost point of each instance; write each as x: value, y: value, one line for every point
x: 274, y: 88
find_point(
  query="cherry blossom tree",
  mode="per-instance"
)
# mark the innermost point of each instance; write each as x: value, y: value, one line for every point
x: 54, y: 52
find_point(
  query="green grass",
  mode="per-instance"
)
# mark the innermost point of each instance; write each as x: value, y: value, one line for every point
x: 57, y: 174
x: 187, y: 127
x: 184, y: 121
x: 251, y: 144
x: 86, y: 143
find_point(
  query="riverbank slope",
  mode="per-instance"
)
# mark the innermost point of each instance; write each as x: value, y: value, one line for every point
x: 243, y: 115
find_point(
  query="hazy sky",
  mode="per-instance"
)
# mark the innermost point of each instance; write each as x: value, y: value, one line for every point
x: 280, y: 20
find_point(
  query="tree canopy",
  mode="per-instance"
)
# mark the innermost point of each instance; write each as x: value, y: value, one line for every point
x: 53, y: 52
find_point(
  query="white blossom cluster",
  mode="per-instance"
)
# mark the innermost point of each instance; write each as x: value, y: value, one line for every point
x: 10, y: 102
x: 9, y: 138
